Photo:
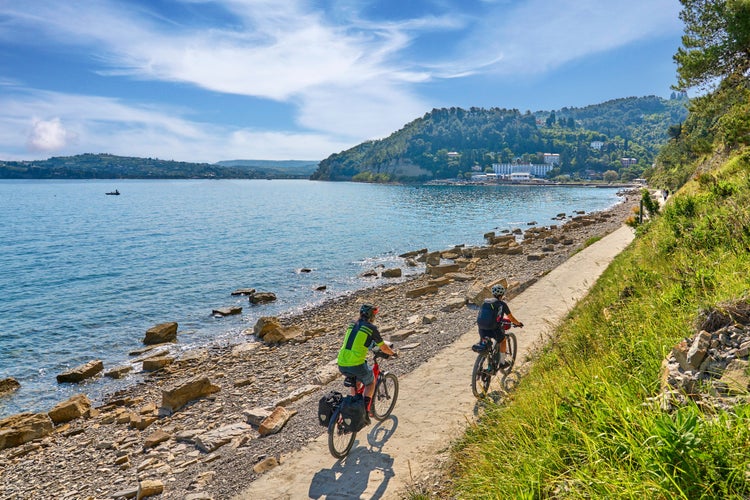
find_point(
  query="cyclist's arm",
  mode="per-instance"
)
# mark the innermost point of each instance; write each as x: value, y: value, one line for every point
x: 513, y: 319
x: 386, y: 349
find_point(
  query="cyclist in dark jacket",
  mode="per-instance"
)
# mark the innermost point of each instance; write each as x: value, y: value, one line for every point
x: 352, y: 359
x: 501, y: 312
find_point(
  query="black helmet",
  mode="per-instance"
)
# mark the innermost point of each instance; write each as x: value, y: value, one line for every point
x: 368, y: 311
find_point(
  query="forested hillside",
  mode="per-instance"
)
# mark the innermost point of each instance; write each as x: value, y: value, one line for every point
x: 633, y: 127
x: 105, y: 166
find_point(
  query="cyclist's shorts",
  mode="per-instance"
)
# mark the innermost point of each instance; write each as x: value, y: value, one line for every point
x: 495, y: 334
x: 363, y: 373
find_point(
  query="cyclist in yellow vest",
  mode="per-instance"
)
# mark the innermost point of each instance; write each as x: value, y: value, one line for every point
x: 361, y: 336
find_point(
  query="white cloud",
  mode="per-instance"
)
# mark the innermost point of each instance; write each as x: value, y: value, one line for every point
x: 48, y: 135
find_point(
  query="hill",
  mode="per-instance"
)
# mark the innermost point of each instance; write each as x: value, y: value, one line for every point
x: 106, y: 166
x: 275, y: 168
x: 449, y: 143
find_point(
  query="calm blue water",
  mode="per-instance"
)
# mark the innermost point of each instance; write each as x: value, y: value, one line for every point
x: 84, y: 275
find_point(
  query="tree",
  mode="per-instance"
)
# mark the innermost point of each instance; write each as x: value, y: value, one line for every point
x: 610, y: 176
x: 716, y: 43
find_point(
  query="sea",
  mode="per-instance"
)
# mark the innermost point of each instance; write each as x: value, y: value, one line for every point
x: 83, y: 274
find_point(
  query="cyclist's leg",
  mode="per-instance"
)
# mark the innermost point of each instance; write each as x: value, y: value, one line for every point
x: 503, y: 343
x: 364, y: 375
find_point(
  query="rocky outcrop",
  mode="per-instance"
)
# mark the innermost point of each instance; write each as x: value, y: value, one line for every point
x: 262, y: 297
x: 178, y: 396
x: 391, y: 273
x: 275, y: 421
x: 214, y: 439
x: 81, y: 373
x: 709, y: 368
x: 227, y: 311
x: 270, y: 330
x: 161, y: 334
x: 24, y: 427
x: 75, y: 407
x: 8, y: 385
x: 442, y: 269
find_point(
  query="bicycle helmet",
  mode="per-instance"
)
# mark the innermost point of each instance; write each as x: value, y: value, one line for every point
x: 498, y: 290
x: 368, y: 311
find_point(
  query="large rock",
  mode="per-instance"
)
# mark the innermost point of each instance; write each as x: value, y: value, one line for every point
x: 418, y: 292
x: 8, y: 385
x: 118, y: 371
x: 216, y: 438
x: 269, y: 329
x: 148, y: 488
x: 157, y: 363
x: 275, y: 421
x: 75, y: 407
x: 24, y: 427
x: 392, y: 273
x: 161, y: 333
x: 262, y: 297
x: 227, y: 311
x: 178, y: 396
x: 443, y: 269
x: 82, y: 372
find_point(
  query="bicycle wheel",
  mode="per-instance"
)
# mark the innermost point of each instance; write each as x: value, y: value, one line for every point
x: 481, y: 376
x: 510, y: 356
x: 340, y: 441
x: 384, y: 397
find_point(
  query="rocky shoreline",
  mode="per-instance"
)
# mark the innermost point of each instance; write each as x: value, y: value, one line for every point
x: 209, y: 447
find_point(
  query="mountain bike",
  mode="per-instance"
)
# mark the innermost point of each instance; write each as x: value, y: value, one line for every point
x: 488, y: 364
x: 340, y: 436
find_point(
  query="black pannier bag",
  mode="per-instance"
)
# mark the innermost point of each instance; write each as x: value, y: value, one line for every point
x: 327, y: 405
x: 353, y: 412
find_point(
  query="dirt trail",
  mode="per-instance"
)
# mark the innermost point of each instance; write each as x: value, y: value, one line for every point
x: 435, y: 402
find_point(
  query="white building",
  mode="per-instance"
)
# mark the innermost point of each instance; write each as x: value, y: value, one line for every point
x: 520, y: 176
x: 534, y: 170
x: 551, y: 159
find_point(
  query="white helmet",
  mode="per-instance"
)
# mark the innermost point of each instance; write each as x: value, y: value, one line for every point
x: 498, y: 290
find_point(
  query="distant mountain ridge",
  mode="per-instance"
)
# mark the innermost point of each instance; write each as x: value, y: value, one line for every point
x: 276, y: 168
x: 106, y: 166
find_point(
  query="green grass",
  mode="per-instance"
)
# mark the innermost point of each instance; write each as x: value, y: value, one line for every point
x: 582, y: 423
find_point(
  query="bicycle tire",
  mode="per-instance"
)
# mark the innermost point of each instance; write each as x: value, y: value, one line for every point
x: 385, y: 396
x: 510, y: 356
x: 340, y: 441
x: 481, y: 376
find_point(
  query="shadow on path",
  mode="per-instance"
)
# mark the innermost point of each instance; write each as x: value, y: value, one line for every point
x: 357, y: 473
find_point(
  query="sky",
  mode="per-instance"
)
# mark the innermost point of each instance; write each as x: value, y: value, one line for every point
x: 212, y: 80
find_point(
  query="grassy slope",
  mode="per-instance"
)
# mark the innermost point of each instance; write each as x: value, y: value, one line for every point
x: 581, y: 424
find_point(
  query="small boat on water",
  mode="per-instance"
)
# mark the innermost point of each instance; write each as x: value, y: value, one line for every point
x: 115, y: 193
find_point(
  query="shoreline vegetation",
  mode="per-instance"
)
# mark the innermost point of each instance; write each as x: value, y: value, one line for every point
x: 257, y: 401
